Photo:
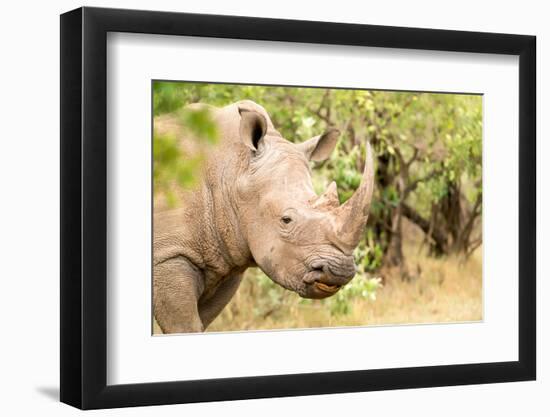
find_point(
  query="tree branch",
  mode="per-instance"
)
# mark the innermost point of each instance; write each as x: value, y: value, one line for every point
x: 438, y: 237
x: 413, y: 157
x: 414, y: 184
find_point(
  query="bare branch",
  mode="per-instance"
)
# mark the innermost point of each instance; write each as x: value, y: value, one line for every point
x: 413, y: 157
x: 473, y: 246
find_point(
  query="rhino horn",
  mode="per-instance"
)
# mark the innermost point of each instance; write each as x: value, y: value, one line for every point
x: 329, y: 198
x: 351, y: 217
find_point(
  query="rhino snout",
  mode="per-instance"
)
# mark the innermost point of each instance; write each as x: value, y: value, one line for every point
x: 327, y: 276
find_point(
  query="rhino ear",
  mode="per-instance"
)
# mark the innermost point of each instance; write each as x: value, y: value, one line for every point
x: 320, y: 147
x: 253, y: 128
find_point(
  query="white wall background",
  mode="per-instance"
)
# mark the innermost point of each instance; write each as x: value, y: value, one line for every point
x: 29, y: 225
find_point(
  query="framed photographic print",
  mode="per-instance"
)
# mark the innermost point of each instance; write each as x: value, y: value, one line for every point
x: 258, y: 208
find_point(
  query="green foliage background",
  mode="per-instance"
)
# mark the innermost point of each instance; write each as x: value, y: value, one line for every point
x: 428, y: 151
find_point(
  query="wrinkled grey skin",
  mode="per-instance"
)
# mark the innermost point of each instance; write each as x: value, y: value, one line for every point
x: 254, y: 206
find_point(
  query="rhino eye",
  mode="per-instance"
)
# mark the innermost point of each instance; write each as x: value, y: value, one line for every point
x: 286, y: 219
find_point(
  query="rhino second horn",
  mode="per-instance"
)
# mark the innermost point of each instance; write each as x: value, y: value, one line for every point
x: 331, y: 194
x: 351, y: 217
x: 329, y: 198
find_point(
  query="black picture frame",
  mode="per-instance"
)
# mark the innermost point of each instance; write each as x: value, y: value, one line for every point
x: 84, y: 207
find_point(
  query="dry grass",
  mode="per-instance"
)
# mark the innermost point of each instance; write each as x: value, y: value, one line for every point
x: 447, y: 290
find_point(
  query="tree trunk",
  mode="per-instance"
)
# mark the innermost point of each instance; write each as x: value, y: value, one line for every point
x: 437, y: 237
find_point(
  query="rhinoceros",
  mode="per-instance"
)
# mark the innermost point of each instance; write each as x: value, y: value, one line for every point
x: 254, y: 206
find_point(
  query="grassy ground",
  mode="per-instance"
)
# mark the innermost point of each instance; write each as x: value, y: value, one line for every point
x: 442, y: 290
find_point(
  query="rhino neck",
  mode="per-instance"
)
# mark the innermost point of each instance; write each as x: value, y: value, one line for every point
x: 224, y: 166
x: 225, y: 231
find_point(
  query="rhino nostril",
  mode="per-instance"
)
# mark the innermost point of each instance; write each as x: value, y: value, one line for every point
x: 317, y: 265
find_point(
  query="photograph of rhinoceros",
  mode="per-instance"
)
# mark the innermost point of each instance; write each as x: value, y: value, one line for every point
x: 279, y: 207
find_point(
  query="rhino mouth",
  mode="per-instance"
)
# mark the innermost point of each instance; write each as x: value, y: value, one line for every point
x: 322, y: 282
x: 328, y: 288
x: 320, y: 289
